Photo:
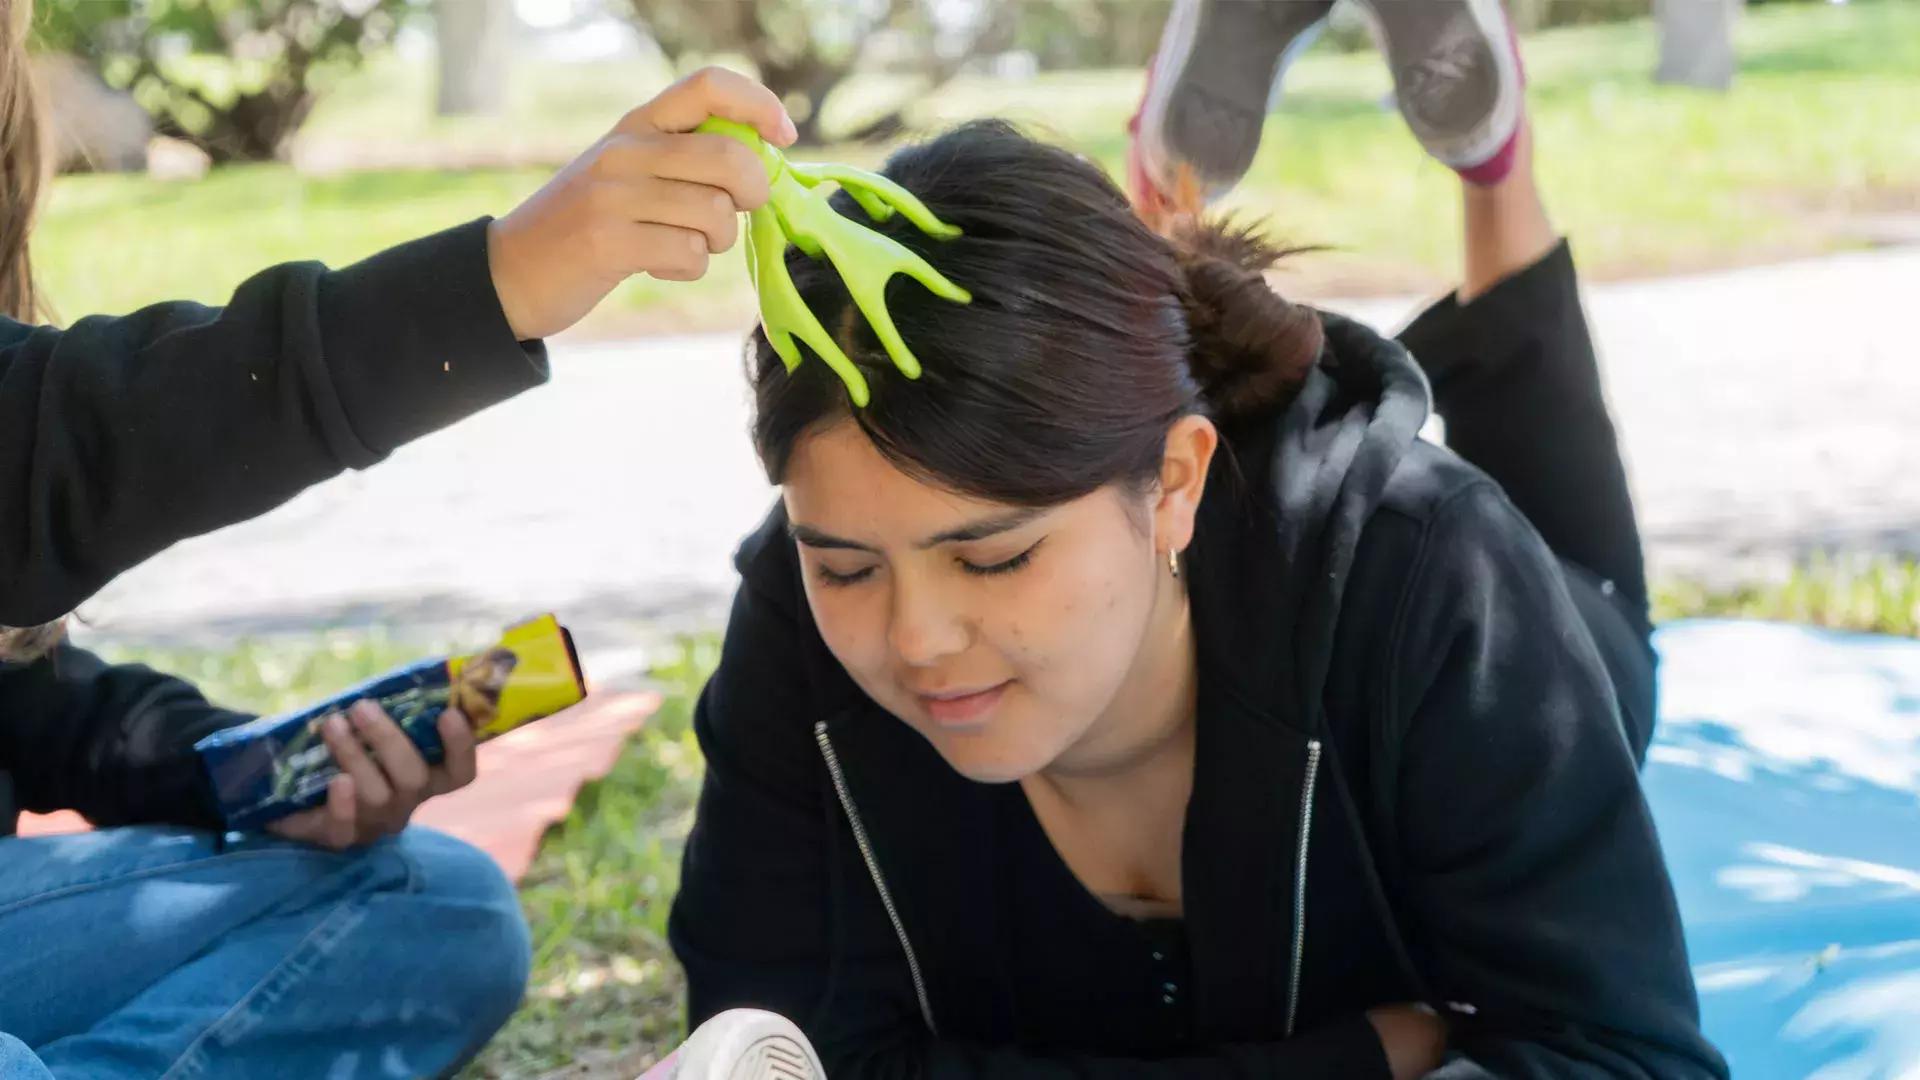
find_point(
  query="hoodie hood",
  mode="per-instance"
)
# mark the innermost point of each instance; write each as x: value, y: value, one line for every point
x: 1318, y: 475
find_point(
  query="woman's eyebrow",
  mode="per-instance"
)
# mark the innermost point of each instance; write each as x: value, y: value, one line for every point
x: 814, y: 538
x: 983, y: 528
x: 972, y: 530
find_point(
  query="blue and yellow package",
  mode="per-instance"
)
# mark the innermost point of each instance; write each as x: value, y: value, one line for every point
x: 277, y: 765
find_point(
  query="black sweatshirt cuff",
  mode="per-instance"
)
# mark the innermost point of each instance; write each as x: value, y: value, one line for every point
x: 1450, y: 336
x: 414, y: 339
x: 197, y: 806
x: 174, y: 789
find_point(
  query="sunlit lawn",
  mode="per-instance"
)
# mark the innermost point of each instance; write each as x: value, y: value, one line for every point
x: 1826, y: 117
x: 1646, y: 179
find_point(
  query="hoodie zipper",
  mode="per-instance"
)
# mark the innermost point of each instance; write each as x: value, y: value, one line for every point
x: 873, y: 870
x: 913, y: 960
x: 1300, y: 883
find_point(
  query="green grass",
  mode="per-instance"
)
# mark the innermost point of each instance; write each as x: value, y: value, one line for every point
x: 1825, y: 120
x: 604, y: 983
x: 1645, y: 179
x: 605, y: 989
x: 1879, y: 595
x: 278, y: 674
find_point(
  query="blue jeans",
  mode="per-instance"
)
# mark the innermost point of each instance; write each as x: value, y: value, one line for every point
x: 155, y: 953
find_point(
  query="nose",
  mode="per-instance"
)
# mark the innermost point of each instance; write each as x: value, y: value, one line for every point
x: 925, y: 628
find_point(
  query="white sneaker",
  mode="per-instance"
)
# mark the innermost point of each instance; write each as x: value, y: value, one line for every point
x: 742, y: 1044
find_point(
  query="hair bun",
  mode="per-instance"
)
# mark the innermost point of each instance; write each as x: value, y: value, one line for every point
x: 1252, y: 348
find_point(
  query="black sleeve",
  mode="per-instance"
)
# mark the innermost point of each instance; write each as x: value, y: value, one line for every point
x: 122, y: 436
x: 776, y: 911
x: 112, y: 742
x: 1517, y: 382
x: 1537, y: 891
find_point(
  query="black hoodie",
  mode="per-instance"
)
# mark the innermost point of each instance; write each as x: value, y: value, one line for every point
x: 122, y: 436
x: 1411, y: 783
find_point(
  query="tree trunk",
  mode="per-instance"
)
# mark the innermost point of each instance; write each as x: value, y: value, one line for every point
x: 1696, y: 42
x: 812, y: 90
x: 475, y: 39
x: 806, y: 79
x: 259, y: 126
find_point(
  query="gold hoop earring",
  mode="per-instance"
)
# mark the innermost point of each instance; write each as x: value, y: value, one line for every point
x: 1173, y: 562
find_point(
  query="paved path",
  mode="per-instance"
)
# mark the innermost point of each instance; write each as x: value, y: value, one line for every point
x: 1765, y: 413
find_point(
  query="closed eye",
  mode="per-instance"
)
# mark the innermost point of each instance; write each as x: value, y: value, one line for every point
x: 1011, y: 565
x: 829, y: 577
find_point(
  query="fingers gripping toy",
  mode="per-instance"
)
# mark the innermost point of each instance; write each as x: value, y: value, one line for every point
x: 798, y: 213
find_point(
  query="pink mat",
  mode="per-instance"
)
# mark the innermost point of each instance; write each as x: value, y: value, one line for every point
x: 528, y: 780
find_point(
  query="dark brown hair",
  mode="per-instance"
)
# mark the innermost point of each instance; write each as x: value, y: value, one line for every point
x: 1089, y: 335
x: 23, y: 162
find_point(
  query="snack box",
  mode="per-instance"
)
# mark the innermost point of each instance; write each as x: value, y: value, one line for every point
x: 277, y: 765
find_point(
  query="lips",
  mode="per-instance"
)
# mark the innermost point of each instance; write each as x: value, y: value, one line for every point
x: 965, y: 708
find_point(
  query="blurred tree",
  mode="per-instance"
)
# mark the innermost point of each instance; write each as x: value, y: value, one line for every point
x: 803, y: 50
x: 1577, y: 12
x: 1080, y: 34
x: 475, y: 43
x: 1696, y: 42
x: 1527, y: 15
x: 231, y: 76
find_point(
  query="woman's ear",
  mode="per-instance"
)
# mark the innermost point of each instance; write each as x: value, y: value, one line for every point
x: 1183, y: 479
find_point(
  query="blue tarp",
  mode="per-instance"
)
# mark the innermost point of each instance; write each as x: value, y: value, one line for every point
x: 1785, y: 776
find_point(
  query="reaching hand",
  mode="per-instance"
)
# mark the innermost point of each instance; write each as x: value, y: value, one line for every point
x: 652, y: 197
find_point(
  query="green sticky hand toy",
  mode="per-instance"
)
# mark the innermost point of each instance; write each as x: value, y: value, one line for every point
x: 798, y: 213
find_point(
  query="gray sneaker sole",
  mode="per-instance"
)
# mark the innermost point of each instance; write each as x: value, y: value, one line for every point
x: 1454, y: 74
x: 1213, y: 80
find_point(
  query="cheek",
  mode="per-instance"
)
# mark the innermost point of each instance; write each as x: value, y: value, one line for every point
x: 853, y: 624
x: 1078, y: 621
